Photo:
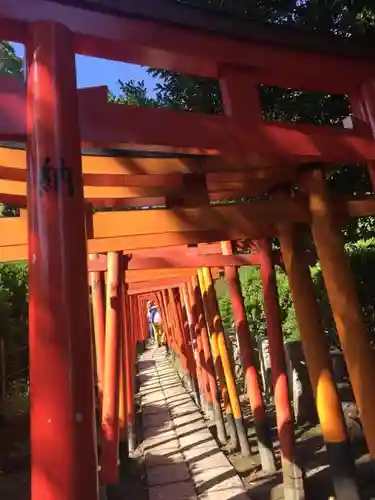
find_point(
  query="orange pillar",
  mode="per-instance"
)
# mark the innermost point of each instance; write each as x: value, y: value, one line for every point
x: 354, y: 336
x: 64, y: 456
x: 292, y: 475
x: 204, y: 276
x: 98, y: 310
x: 209, y: 364
x: 186, y: 345
x: 319, y: 365
x: 199, y: 352
x: 123, y: 419
x: 129, y: 350
x: 171, y: 329
x: 181, y: 348
x: 190, y: 331
x: 262, y: 429
x: 168, y: 321
x: 145, y: 332
x: 160, y: 300
x: 111, y: 388
x: 228, y: 372
x: 123, y: 433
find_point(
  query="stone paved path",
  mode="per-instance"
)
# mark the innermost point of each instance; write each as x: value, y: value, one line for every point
x: 183, y: 461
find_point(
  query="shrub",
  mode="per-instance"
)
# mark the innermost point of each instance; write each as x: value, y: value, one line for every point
x: 362, y: 260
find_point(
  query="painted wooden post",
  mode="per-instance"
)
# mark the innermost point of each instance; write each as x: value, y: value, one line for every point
x: 246, y: 347
x: 129, y: 353
x: 319, y: 364
x: 163, y: 312
x: 196, y: 365
x: 64, y: 455
x: 201, y: 362
x: 354, y: 336
x: 292, y: 474
x: 111, y: 387
x: 208, y: 359
x: 224, y: 356
x: 180, y: 342
x: 98, y: 312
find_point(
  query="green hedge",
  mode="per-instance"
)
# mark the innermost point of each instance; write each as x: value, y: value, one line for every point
x: 14, y: 297
x: 14, y: 303
x: 362, y: 260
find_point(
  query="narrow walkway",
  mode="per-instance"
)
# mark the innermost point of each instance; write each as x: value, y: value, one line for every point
x: 183, y: 461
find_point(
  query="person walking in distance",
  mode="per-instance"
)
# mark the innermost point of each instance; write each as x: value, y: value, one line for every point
x: 149, y: 319
x: 156, y: 323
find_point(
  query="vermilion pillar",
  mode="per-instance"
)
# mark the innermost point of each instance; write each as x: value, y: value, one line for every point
x: 354, y: 337
x: 193, y: 342
x: 228, y: 372
x: 208, y: 362
x: 168, y: 307
x: 319, y: 365
x: 160, y: 300
x: 123, y: 431
x: 168, y: 321
x: 249, y: 369
x: 188, y: 343
x: 199, y: 353
x: 98, y: 310
x: 63, y: 448
x: 292, y: 475
x: 217, y: 362
x: 111, y: 387
x: 180, y: 343
x: 123, y: 412
x: 129, y: 369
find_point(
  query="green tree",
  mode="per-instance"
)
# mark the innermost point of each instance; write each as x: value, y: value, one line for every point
x: 252, y: 291
x: 10, y: 63
x: 134, y: 93
x: 13, y: 276
x: 344, y: 18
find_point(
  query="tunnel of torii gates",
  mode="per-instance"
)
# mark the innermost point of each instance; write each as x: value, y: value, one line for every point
x: 80, y: 152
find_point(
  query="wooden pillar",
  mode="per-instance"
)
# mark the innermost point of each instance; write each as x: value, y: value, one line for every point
x: 123, y: 449
x: 319, y: 365
x: 123, y: 432
x: 181, y: 348
x: 160, y: 301
x: 208, y: 362
x: 144, y: 321
x: 354, y: 337
x: 246, y: 348
x: 196, y: 367
x: 187, y: 345
x: 199, y: 352
x: 168, y: 322
x: 111, y: 388
x: 171, y: 327
x: 64, y: 456
x: 292, y: 475
x: 227, y: 368
x: 129, y: 350
x: 98, y: 311
x: 217, y: 362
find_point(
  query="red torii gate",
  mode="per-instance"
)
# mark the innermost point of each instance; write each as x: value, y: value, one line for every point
x: 56, y: 128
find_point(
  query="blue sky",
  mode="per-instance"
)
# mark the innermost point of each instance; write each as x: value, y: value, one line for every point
x: 92, y: 72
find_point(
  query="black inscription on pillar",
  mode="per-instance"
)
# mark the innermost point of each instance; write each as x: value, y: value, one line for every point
x: 55, y: 179
x: 45, y: 178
